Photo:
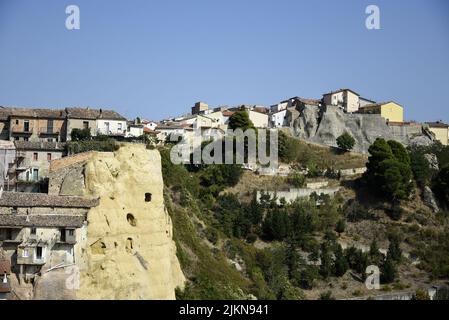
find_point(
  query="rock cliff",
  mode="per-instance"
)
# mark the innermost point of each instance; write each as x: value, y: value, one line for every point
x: 127, y: 251
x: 325, y: 125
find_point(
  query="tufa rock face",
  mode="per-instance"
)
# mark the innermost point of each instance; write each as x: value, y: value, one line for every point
x: 128, y: 251
x: 324, y: 125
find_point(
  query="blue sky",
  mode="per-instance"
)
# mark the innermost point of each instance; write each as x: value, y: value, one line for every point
x: 156, y: 58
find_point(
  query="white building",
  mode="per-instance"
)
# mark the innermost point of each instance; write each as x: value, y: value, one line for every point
x: 347, y: 99
x: 111, y: 123
x: 278, y: 119
x: 135, y: 130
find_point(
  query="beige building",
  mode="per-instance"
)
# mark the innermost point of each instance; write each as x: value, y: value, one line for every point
x: 260, y: 120
x: 39, y: 231
x: 27, y: 124
x: 346, y: 98
x: 200, y: 107
x: 440, y: 130
x: 390, y: 111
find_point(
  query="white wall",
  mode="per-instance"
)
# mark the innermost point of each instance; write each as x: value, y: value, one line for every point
x: 115, y: 126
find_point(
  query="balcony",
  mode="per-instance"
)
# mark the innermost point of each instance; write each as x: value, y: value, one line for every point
x: 22, y: 130
x: 46, y: 131
x: 115, y: 133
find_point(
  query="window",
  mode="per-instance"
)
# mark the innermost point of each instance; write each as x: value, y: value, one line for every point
x: 16, y: 138
x: 85, y: 124
x: 17, y: 121
x: 62, y: 233
x: 50, y: 139
x: 25, y: 253
x: 50, y: 126
x: 35, y: 174
x: 71, y: 232
x: 35, y: 156
x: 48, y: 156
x: 26, y: 126
x: 33, y: 231
x: 148, y: 196
x: 119, y: 127
x: 38, y: 253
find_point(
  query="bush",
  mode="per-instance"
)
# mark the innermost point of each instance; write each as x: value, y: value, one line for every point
x: 297, y: 179
x: 80, y: 134
x: 74, y: 147
x: 345, y: 141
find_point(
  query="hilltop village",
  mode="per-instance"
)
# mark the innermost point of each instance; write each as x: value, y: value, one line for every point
x: 63, y: 187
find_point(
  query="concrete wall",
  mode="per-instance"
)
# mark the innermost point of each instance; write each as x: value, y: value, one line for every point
x: 259, y: 120
x: 441, y: 134
x: 293, y: 194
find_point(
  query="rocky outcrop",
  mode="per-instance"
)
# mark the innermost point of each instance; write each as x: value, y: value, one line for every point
x: 324, y: 125
x: 127, y: 251
x: 430, y: 200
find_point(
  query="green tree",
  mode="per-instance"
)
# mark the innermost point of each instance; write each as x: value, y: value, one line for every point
x: 326, y: 267
x: 441, y: 185
x: 80, y: 134
x: 345, y: 142
x: 341, y: 264
x: 388, y: 169
x: 240, y: 119
x: 388, y: 270
x: 421, y: 168
x: 399, y: 152
x: 341, y: 226
x: 297, y: 179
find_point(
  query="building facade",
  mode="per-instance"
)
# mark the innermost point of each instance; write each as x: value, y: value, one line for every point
x: 390, y: 111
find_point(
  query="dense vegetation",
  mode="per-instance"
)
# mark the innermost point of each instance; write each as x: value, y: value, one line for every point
x: 82, y: 141
x: 213, y: 226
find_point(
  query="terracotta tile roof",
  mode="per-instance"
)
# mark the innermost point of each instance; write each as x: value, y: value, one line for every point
x: 6, y: 112
x: 23, y: 199
x: 39, y: 145
x: 73, y: 113
x: 228, y: 113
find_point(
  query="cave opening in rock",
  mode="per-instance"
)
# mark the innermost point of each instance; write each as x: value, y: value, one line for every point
x: 129, y: 244
x: 131, y: 220
x: 148, y: 197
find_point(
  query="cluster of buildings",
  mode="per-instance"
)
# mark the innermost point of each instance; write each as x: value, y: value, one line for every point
x: 31, y: 138
x: 38, y: 228
x: 282, y: 114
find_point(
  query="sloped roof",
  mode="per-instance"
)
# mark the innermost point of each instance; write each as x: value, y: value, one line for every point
x: 39, y: 145
x: 93, y: 114
x: 340, y: 90
x: 6, y: 112
x: 24, y: 199
x: 378, y: 104
x: 437, y: 124
x: 42, y: 220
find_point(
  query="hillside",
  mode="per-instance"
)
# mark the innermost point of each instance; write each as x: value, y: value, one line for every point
x: 232, y: 246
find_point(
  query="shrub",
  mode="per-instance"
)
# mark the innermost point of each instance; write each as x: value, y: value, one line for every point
x: 345, y: 141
